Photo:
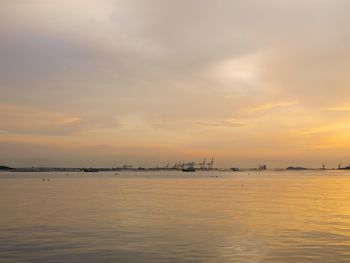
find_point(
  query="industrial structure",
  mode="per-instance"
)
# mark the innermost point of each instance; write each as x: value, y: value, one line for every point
x: 190, y: 166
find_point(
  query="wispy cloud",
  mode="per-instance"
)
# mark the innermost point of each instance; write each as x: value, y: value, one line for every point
x: 332, y: 127
x: 273, y: 105
x: 26, y: 120
x: 343, y: 108
x: 224, y: 123
x: 71, y: 120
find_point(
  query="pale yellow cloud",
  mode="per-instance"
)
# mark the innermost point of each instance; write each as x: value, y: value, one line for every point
x: 71, y: 120
x: 331, y: 127
x: 239, y: 73
x: 225, y: 123
x: 272, y: 105
x: 28, y: 120
x: 342, y: 108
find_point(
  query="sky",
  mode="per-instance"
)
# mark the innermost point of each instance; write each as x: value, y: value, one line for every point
x: 113, y: 82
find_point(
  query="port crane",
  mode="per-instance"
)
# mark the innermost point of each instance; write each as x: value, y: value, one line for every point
x: 204, y: 165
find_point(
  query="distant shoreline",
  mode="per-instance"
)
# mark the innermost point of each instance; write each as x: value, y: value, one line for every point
x: 141, y: 169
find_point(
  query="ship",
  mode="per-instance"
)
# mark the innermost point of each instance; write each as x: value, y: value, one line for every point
x: 344, y: 168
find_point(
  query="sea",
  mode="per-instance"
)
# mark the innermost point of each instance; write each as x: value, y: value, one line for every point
x: 269, y: 216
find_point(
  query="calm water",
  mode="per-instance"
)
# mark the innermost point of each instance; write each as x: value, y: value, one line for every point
x: 175, y: 217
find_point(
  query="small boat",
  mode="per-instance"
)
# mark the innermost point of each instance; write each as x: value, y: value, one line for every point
x: 189, y: 169
x: 90, y: 170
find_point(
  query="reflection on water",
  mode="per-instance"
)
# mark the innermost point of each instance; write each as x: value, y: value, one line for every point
x: 175, y: 217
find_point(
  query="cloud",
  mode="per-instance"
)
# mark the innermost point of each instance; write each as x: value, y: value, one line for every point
x: 343, y: 108
x: 22, y: 120
x: 273, y: 105
x: 196, y: 124
x: 332, y: 127
x: 226, y: 123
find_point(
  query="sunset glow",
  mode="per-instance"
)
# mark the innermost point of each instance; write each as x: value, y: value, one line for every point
x: 107, y: 82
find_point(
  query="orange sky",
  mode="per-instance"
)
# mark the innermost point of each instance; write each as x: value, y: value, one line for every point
x: 105, y: 83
